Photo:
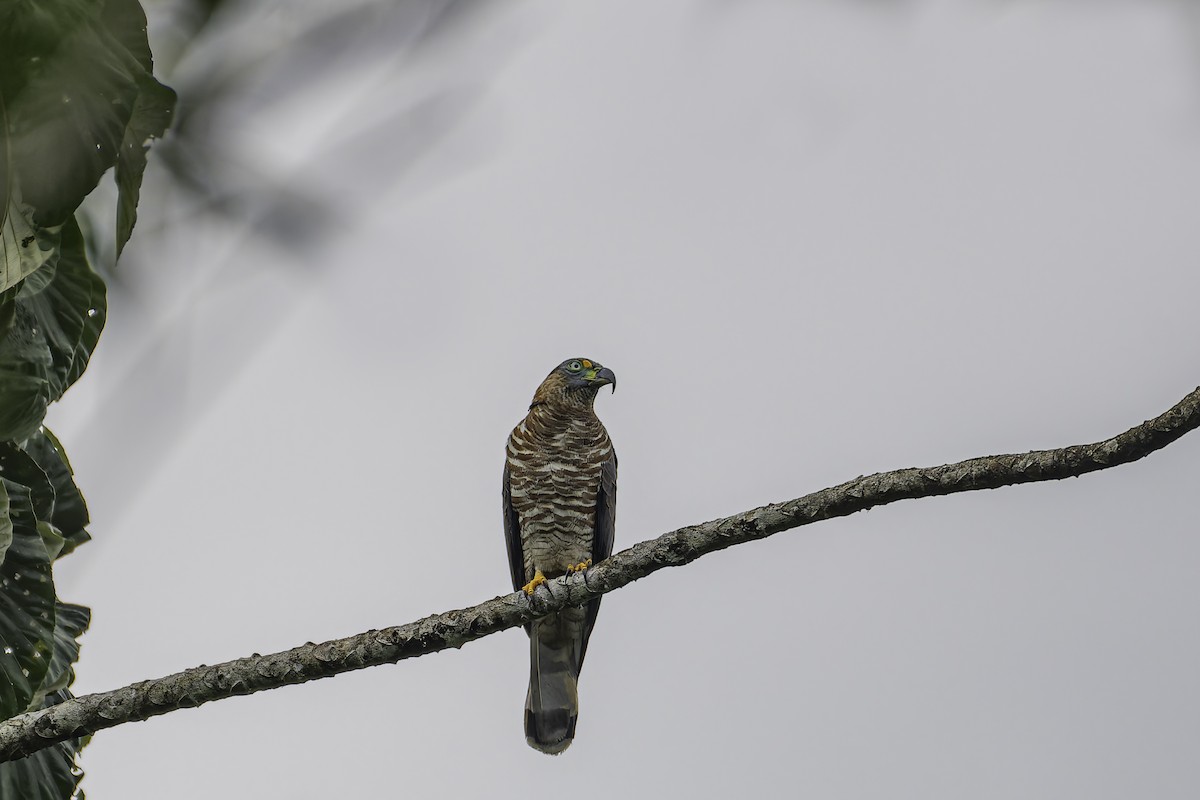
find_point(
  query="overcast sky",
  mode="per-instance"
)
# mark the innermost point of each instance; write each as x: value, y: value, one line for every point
x: 813, y: 240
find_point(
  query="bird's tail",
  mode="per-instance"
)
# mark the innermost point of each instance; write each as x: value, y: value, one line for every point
x: 552, y: 705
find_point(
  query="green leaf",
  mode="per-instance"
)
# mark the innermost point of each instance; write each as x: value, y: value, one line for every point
x: 6, y: 527
x: 76, y: 97
x: 151, y: 116
x: 51, y: 773
x: 52, y: 538
x: 33, y: 29
x: 26, y: 245
x: 69, y: 518
x: 126, y: 22
x: 67, y: 107
x: 8, y: 309
x: 71, y: 310
x: 24, y: 391
x: 21, y: 469
x: 58, y: 316
x: 152, y: 111
x: 70, y: 622
x: 64, y: 108
x: 27, y: 602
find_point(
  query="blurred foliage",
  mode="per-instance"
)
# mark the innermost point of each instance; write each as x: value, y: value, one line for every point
x: 77, y: 98
x: 297, y: 120
x: 234, y: 61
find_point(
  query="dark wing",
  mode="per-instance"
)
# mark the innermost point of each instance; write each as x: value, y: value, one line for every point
x: 606, y: 510
x: 512, y: 535
x: 602, y: 538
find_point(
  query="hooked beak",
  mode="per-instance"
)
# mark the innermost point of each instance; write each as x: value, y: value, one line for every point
x: 603, y: 377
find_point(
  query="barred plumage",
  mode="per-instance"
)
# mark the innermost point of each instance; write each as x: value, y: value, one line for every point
x: 560, y: 485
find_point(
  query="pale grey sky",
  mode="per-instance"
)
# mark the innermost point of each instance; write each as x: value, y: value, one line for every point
x: 814, y: 240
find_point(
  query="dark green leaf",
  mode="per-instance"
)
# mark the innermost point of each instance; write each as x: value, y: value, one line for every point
x: 72, y: 309
x: 67, y: 117
x: 8, y: 309
x: 76, y: 97
x: 70, y: 516
x: 26, y: 245
x: 52, y: 538
x: 21, y: 469
x: 151, y: 116
x: 152, y: 110
x: 27, y: 602
x: 52, y: 773
x: 55, y: 328
x: 70, y: 622
x: 6, y: 528
x: 32, y: 30
x: 24, y: 390
x: 126, y: 23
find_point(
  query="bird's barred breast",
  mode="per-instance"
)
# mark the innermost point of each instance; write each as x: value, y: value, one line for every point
x: 554, y: 479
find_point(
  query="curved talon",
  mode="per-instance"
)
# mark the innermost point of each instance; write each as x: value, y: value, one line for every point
x: 580, y: 567
x: 538, y: 580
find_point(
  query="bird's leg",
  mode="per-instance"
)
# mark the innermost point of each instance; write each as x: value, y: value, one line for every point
x: 580, y: 567
x: 538, y: 580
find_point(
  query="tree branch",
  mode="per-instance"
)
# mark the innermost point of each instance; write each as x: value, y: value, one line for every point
x: 33, y: 731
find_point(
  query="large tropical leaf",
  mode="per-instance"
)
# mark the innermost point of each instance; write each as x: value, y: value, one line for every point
x: 152, y: 110
x: 42, y: 176
x: 25, y: 245
x: 70, y: 621
x: 67, y: 119
x: 58, y: 315
x: 6, y: 528
x: 76, y: 97
x: 40, y: 477
x: 69, y: 518
x: 27, y: 602
x: 70, y: 310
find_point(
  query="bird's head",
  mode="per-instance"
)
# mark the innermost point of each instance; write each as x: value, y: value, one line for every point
x: 574, y: 382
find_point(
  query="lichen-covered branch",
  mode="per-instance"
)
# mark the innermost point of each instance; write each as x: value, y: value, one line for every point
x: 27, y: 733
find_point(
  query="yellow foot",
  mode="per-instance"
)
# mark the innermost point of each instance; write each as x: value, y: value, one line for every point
x: 580, y: 567
x: 538, y: 580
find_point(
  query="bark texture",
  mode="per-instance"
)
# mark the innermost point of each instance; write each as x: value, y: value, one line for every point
x: 33, y: 731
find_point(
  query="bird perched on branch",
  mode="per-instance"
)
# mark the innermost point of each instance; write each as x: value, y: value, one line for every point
x: 560, y: 494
